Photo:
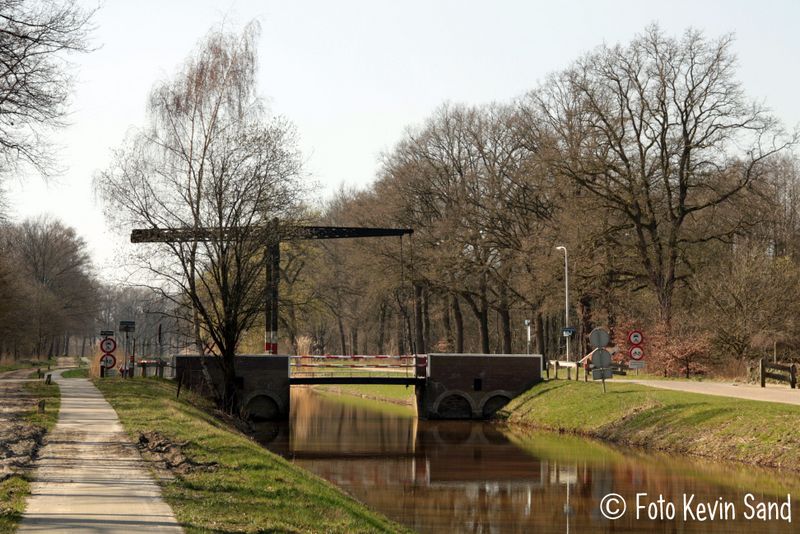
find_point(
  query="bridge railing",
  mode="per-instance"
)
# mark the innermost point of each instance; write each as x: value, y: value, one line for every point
x: 356, y: 365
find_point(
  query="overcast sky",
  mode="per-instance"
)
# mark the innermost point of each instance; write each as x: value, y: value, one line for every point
x: 352, y: 75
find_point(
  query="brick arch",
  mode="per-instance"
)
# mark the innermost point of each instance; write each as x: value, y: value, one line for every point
x: 496, y: 394
x: 262, y: 393
x: 457, y: 394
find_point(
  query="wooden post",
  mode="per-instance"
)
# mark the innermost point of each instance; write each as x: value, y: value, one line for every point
x: 761, y: 371
x: 793, y: 376
x: 556, y: 370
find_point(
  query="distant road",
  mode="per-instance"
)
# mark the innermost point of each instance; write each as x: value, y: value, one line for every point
x: 771, y: 393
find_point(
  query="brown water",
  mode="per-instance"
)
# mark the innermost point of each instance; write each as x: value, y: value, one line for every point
x: 475, y: 477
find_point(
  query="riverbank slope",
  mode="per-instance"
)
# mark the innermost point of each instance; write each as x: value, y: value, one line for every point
x: 217, y: 479
x: 761, y: 433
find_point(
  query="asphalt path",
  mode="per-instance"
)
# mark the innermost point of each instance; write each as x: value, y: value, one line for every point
x: 89, y: 477
x: 771, y: 393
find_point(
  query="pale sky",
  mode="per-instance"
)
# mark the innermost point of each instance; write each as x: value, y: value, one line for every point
x: 353, y: 75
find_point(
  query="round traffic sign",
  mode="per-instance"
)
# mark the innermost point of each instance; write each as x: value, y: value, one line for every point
x: 108, y: 361
x: 601, y: 358
x: 635, y: 337
x: 599, y: 338
x: 636, y: 353
x: 108, y: 344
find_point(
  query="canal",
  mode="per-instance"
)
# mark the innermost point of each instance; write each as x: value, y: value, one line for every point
x: 454, y: 476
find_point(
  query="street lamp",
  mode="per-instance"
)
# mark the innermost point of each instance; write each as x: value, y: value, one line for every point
x: 528, y: 345
x: 566, y: 294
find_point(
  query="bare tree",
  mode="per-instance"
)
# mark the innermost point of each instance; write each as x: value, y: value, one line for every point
x: 209, y: 159
x: 660, y: 133
x: 35, y: 79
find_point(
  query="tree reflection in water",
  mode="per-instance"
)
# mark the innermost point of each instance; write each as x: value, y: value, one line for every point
x: 461, y: 476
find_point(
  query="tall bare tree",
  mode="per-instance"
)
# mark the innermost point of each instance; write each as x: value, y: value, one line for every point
x: 210, y: 158
x: 661, y: 134
x: 35, y: 78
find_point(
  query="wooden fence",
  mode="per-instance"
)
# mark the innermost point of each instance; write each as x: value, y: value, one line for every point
x: 616, y: 368
x: 786, y: 373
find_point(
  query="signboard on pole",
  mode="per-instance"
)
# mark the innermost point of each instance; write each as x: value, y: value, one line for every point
x: 568, y: 331
x: 636, y: 364
x: 106, y: 333
x: 127, y: 326
x: 599, y: 338
x: 108, y: 361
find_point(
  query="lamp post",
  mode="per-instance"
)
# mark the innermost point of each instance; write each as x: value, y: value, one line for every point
x: 566, y: 294
x: 528, y: 345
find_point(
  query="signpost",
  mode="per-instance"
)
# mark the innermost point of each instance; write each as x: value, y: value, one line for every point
x: 107, y: 360
x: 636, y: 352
x: 127, y: 326
x: 601, y: 358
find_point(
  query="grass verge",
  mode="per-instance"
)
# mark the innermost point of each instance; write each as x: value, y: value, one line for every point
x: 722, y: 428
x: 390, y: 393
x: 16, y: 488
x: 252, y: 490
x: 82, y: 372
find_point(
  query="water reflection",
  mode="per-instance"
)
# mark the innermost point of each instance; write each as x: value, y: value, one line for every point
x: 453, y: 476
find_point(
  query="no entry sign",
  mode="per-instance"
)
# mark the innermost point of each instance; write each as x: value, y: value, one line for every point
x: 635, y: 337
x: 108, y: 345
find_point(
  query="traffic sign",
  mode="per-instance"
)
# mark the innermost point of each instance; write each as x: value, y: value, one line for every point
x: 568, y: 331
x: 599, y: 338
x: 108, y: 345
x: 636, y: 353
x: 636, y: 364
x: 108, y: 361
x: 106, y: 333
x: 598, y: 374
x: 635, y: 337
x: 127, y: 326
x: 601, y: 358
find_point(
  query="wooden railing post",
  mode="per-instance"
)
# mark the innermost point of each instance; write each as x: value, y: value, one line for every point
x: 762, y: 371
x: 793, y: 376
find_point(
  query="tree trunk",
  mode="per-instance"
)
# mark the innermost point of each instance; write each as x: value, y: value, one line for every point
x: 381, y: 327
x: 458, y: 319
x: 540, y: 336
x: 505, y: 321
x: 447, y: 325
x: 426, y: 320
x: 342, y: 338
x: 419, y: 339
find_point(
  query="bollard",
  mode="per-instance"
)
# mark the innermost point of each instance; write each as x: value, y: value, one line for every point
x: 41, y: 406
x: 49, y: 379
x: 793, y: 376
x: 762, y: 372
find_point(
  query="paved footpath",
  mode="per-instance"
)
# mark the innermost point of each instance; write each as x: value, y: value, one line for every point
x: 89, y: 476
x: 773, y: 393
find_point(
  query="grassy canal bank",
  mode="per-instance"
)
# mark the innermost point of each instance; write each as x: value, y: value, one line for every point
x: 761, y: 433
x: 220, y: 480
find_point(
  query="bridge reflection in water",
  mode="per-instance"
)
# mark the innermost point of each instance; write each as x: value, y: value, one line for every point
x: 461, y: 476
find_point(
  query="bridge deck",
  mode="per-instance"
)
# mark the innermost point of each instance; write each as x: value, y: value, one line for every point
x: 375, y: 380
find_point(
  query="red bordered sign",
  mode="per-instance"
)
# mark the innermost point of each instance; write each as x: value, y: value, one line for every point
x: 108, y: 361
x: 635, y: 337
x: 636, y: 353
x: 108, y: 345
